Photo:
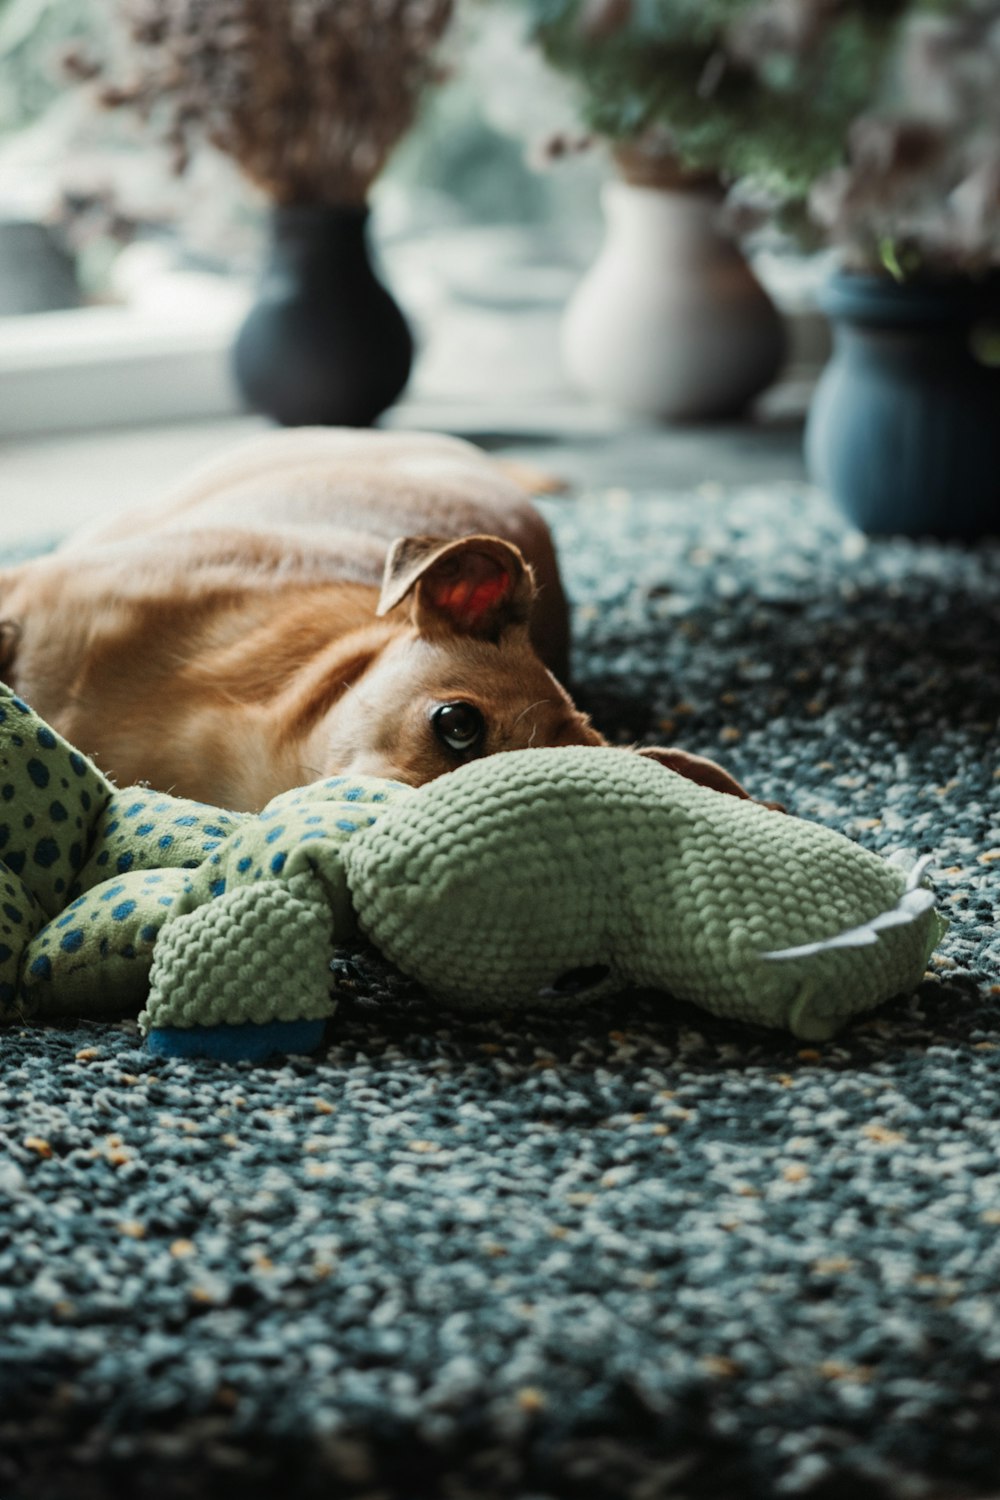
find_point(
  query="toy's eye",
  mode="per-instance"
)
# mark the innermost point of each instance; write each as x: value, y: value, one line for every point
x: 459, y: 726
x: 575, y: 982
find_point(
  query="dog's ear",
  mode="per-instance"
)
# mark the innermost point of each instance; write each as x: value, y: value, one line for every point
x: 702, y: 770
x: 478, y: 585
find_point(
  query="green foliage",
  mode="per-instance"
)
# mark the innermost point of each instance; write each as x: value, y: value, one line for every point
x: 780, y: 116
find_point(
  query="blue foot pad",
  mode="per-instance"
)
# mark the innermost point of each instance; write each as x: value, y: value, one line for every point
x: 246, y: 1042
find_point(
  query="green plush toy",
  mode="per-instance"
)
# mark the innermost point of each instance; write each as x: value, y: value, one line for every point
x: 535, y: 877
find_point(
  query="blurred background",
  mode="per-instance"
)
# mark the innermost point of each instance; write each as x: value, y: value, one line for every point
x: 617, y: 232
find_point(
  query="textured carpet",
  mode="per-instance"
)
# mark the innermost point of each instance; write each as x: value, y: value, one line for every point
x: 630, y: 1255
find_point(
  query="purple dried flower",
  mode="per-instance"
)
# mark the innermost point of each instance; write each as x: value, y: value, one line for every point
x: 308, y: 96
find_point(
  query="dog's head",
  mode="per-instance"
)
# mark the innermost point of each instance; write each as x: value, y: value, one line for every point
x: 459, y: 678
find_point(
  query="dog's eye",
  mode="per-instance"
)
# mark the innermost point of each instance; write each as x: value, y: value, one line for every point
x: 460, y: 726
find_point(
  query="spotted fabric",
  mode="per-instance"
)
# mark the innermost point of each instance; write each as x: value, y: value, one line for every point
x: 91, y: 874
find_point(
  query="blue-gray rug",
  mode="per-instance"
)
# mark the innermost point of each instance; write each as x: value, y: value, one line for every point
x: 635, y: 1254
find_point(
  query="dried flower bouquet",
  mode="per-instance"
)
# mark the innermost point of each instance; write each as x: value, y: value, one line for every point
x: 308, y: 97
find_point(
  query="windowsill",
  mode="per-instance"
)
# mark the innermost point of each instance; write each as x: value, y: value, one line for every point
x: 111, y: 366
x: 486, y: 362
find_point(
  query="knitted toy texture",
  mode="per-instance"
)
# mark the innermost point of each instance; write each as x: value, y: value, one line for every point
x: 535, y: 877
x: 542, y: 876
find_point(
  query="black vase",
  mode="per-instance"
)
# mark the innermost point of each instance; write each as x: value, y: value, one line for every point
x: 324, y: 344
x: 904, y: 427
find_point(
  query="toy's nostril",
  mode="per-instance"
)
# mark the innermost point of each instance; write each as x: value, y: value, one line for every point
x: 575, y: 981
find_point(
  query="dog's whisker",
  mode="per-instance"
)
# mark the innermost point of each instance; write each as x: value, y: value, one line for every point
x: 354, y: 690
x: 541, y: 702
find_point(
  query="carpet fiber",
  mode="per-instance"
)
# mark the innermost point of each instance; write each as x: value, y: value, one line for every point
x: 632, y: 1254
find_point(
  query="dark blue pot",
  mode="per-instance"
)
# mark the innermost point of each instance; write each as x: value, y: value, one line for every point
x: 325, y: 343
x: 904, y: 427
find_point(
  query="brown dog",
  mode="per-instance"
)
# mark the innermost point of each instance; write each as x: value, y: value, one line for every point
x: 320, y: 601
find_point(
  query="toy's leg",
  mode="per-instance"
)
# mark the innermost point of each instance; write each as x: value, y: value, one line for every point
x: 244, y: 976
x: 21, y: 918
x: 139, y: 829
x: 50, y: 799
x: 93, y: 961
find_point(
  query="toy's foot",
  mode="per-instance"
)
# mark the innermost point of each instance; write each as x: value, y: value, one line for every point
x: 245, y: 1041
x: 245, y: 976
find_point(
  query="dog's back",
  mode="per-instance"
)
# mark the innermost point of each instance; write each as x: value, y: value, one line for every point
x: 293, y: 509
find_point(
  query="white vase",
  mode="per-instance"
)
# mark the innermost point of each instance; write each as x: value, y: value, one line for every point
x: 670, y: 322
